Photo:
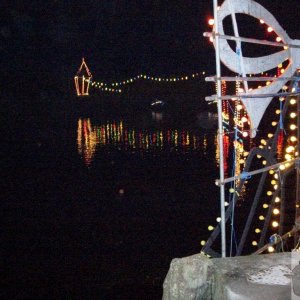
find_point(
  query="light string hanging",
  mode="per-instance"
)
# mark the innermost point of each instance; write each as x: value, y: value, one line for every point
x: 291, y: 153
x: 116, y: 85
x: 241, y: 118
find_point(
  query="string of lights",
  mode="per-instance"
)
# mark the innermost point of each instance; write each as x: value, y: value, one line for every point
x: 240, y: 119
x: 115, y: 86
x: 290, y: 154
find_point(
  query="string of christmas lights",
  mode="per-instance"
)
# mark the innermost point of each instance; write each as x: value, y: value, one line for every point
x: 240, y: 120
x: 115, y: 86
x: 290, y: 154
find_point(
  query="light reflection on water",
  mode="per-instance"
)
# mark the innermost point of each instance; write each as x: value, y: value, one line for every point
x: 177, y: 176
x: 118, y: 134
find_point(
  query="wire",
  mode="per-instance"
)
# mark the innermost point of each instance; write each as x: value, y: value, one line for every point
x: 297, y: 244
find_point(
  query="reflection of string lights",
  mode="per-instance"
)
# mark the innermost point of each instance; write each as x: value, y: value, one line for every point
x: 86, y: 140
x: 117, y: 134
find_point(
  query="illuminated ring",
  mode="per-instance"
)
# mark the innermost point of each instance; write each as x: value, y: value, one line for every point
x: 257, y: 106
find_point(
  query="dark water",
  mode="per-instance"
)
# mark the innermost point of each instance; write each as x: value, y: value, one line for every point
x: 96, y: 205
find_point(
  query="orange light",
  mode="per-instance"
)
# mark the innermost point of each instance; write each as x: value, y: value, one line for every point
x: 211, y: 22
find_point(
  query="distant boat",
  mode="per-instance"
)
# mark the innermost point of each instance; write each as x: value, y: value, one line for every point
x: 157, y: 104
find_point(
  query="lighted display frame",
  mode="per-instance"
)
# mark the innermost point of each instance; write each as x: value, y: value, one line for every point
x: 82, y: 79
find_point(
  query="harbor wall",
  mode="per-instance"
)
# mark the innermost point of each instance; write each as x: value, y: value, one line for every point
x: 269, y: 276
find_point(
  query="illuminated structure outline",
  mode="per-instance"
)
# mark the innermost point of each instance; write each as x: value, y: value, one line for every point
x: 82, y: 79
x: 256, y: 102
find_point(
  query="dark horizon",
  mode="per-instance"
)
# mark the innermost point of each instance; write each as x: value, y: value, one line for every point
x: 118, y: 39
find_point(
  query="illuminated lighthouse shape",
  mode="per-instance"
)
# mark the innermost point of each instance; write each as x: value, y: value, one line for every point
x: 83, y: 79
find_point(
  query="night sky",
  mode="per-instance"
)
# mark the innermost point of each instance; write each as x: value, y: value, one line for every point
x: 118, y: 38
x: 41, y: 45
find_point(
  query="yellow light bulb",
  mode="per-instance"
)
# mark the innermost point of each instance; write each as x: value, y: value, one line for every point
x: 254, y: 243
x: 276, y: 211
x: 282, y: 167
x: 275, y: 224
x: 271, y: 249
x: 290, y: 149
x: 288, y: 157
